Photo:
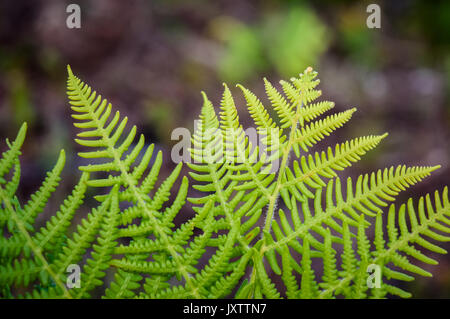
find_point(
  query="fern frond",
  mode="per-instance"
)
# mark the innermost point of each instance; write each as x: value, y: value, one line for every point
x: 257, y: 111
x: 316, y: 131
x: 427, y: 222
x: 308, y: 288
x: 365, y: 199
x: 264, y: 225
x: 52, y: 235
x: 10, y: 156
x: 23, y: 260
x: 38, y: 200
x: 95, y: 266
x: 81, y: 240
x: 281, y: 106
x: 93, y: 112
x: 303, y: 183
x: 307, y: 171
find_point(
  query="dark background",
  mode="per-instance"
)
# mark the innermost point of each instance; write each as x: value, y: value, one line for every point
x: 152, y: 58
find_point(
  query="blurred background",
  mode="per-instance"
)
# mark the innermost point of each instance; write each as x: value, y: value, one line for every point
x: 152, y: 58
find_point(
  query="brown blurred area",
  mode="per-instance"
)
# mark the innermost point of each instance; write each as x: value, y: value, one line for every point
x: 152, y: 58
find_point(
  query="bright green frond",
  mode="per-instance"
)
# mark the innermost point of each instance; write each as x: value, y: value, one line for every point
x: 259, y: 223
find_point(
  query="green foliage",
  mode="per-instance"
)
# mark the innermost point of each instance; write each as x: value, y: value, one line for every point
x: 310, y: 34
x: 288, y: 40
x: 284, y: 214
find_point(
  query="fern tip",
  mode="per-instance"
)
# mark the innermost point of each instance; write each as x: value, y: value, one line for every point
x: 204, y: 96
x: 433, y: 168
x: 69, y: 70
x: 61, y: 158
x: 22, y: 131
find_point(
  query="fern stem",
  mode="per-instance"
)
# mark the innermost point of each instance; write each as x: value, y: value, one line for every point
x: 223, y: 202
x: 276, y: 194
x: 284, y: 162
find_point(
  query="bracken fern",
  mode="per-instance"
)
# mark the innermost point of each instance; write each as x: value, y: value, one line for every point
x: 270, y: 220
